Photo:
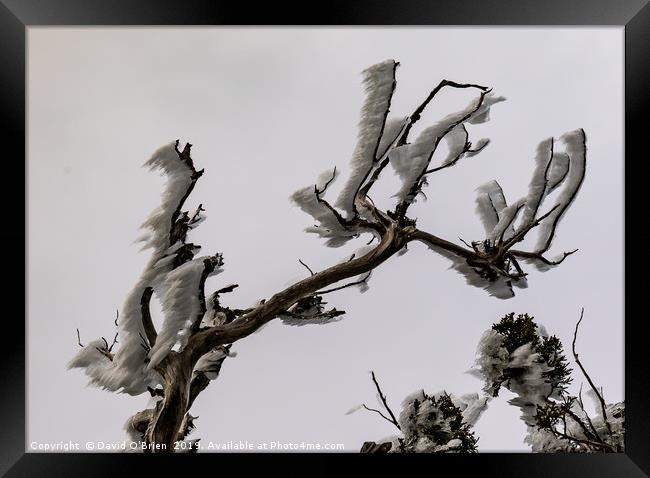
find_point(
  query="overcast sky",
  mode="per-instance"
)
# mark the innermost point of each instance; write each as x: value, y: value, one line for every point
x: 267, y: 110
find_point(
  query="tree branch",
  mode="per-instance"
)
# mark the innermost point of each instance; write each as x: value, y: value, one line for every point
x: 384, y: 402
x: 205, y: 340
x: 147, y: 323
x: 378, y: 412
x: 344, y: 286
x: 582, y: 407
x: 176, y: 233
x: 584, y: 372
x: 402, y: 207
x: 311, y: 272
x: 565, y: 206
x: 584, y: 442
x: 209, y: 265
x: 538, y: 256
x: 519, y: 235
x: 403, y: 137
x: 430, y: 239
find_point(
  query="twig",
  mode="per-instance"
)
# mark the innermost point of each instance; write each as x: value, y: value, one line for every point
x: 79, y: 339
x: 145, y: 343
x: 519, y: 235
x: 464, y: 242
x: 380, y: 414
x: 344, y: 286
x: 584, y: 442
x: 584, y: 372
x: 416, y: 187
x: 306, y: 266
x: 540, y: 257
x: 195, y: 216
x: 228, y: 288
x: 382, y: 397
x: 114, y: 342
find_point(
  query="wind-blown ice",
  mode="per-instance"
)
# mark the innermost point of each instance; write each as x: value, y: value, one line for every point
x: 328, y: 224
x: 379, y: 81
x: 181, y: 306
x: 490, y: 201
x: 438, y: 423
x: 127, y: 371
x: 410, y: 161
x: 392, y: 130
x: 575, y: 146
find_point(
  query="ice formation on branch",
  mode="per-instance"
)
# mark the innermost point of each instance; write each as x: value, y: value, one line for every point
x: 411, y: 161
x: 166, y: 231
x: 491, y: 263
x: 519, y: 355
x: 439, y: 423
x: 516, y: 355
x: 198, y: 330
x: 496, y: 267
x: 182, y: 304
x: 379, y: 81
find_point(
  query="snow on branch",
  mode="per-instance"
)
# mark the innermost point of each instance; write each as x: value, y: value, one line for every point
x: 379, y: 81
x: 438, y: 423
x: 181, y: 176
x: 411, y: 161
x: 573, y: 160
x: 330, y: 224
x: 493, y: 263
x: 166, y: 233
x: 517, y: 355
x: 183, y: 304
x: 490, y: 203
x: 196, y: 325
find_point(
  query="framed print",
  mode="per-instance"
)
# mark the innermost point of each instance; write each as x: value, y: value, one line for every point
x: 386, y: 230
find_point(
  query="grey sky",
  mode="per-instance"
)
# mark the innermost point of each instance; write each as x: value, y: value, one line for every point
x: 268, y: 109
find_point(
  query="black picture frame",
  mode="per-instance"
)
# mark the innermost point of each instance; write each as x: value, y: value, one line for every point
x: 17, y: 15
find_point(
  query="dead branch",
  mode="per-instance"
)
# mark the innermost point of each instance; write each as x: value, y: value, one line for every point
x: 384, y: 402
x: 311, y: 272
x: 113, y: 343
x: 584, y: 372
x: 345, y: 286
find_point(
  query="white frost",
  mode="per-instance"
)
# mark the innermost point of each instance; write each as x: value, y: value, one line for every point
x: 575, y: 146
x: 127, y: 372
x: 379, y: 81
x: 410, y: 161
x: 328, y: 225
x: 180, y: 306
x: 489, y: 203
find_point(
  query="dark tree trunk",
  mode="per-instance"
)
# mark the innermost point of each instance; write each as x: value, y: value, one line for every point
x: 164, y: 428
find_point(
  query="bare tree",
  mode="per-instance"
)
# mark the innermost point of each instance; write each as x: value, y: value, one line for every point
x: 177, y: 362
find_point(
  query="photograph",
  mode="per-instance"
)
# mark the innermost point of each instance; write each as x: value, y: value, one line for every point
x: 358, y: 239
